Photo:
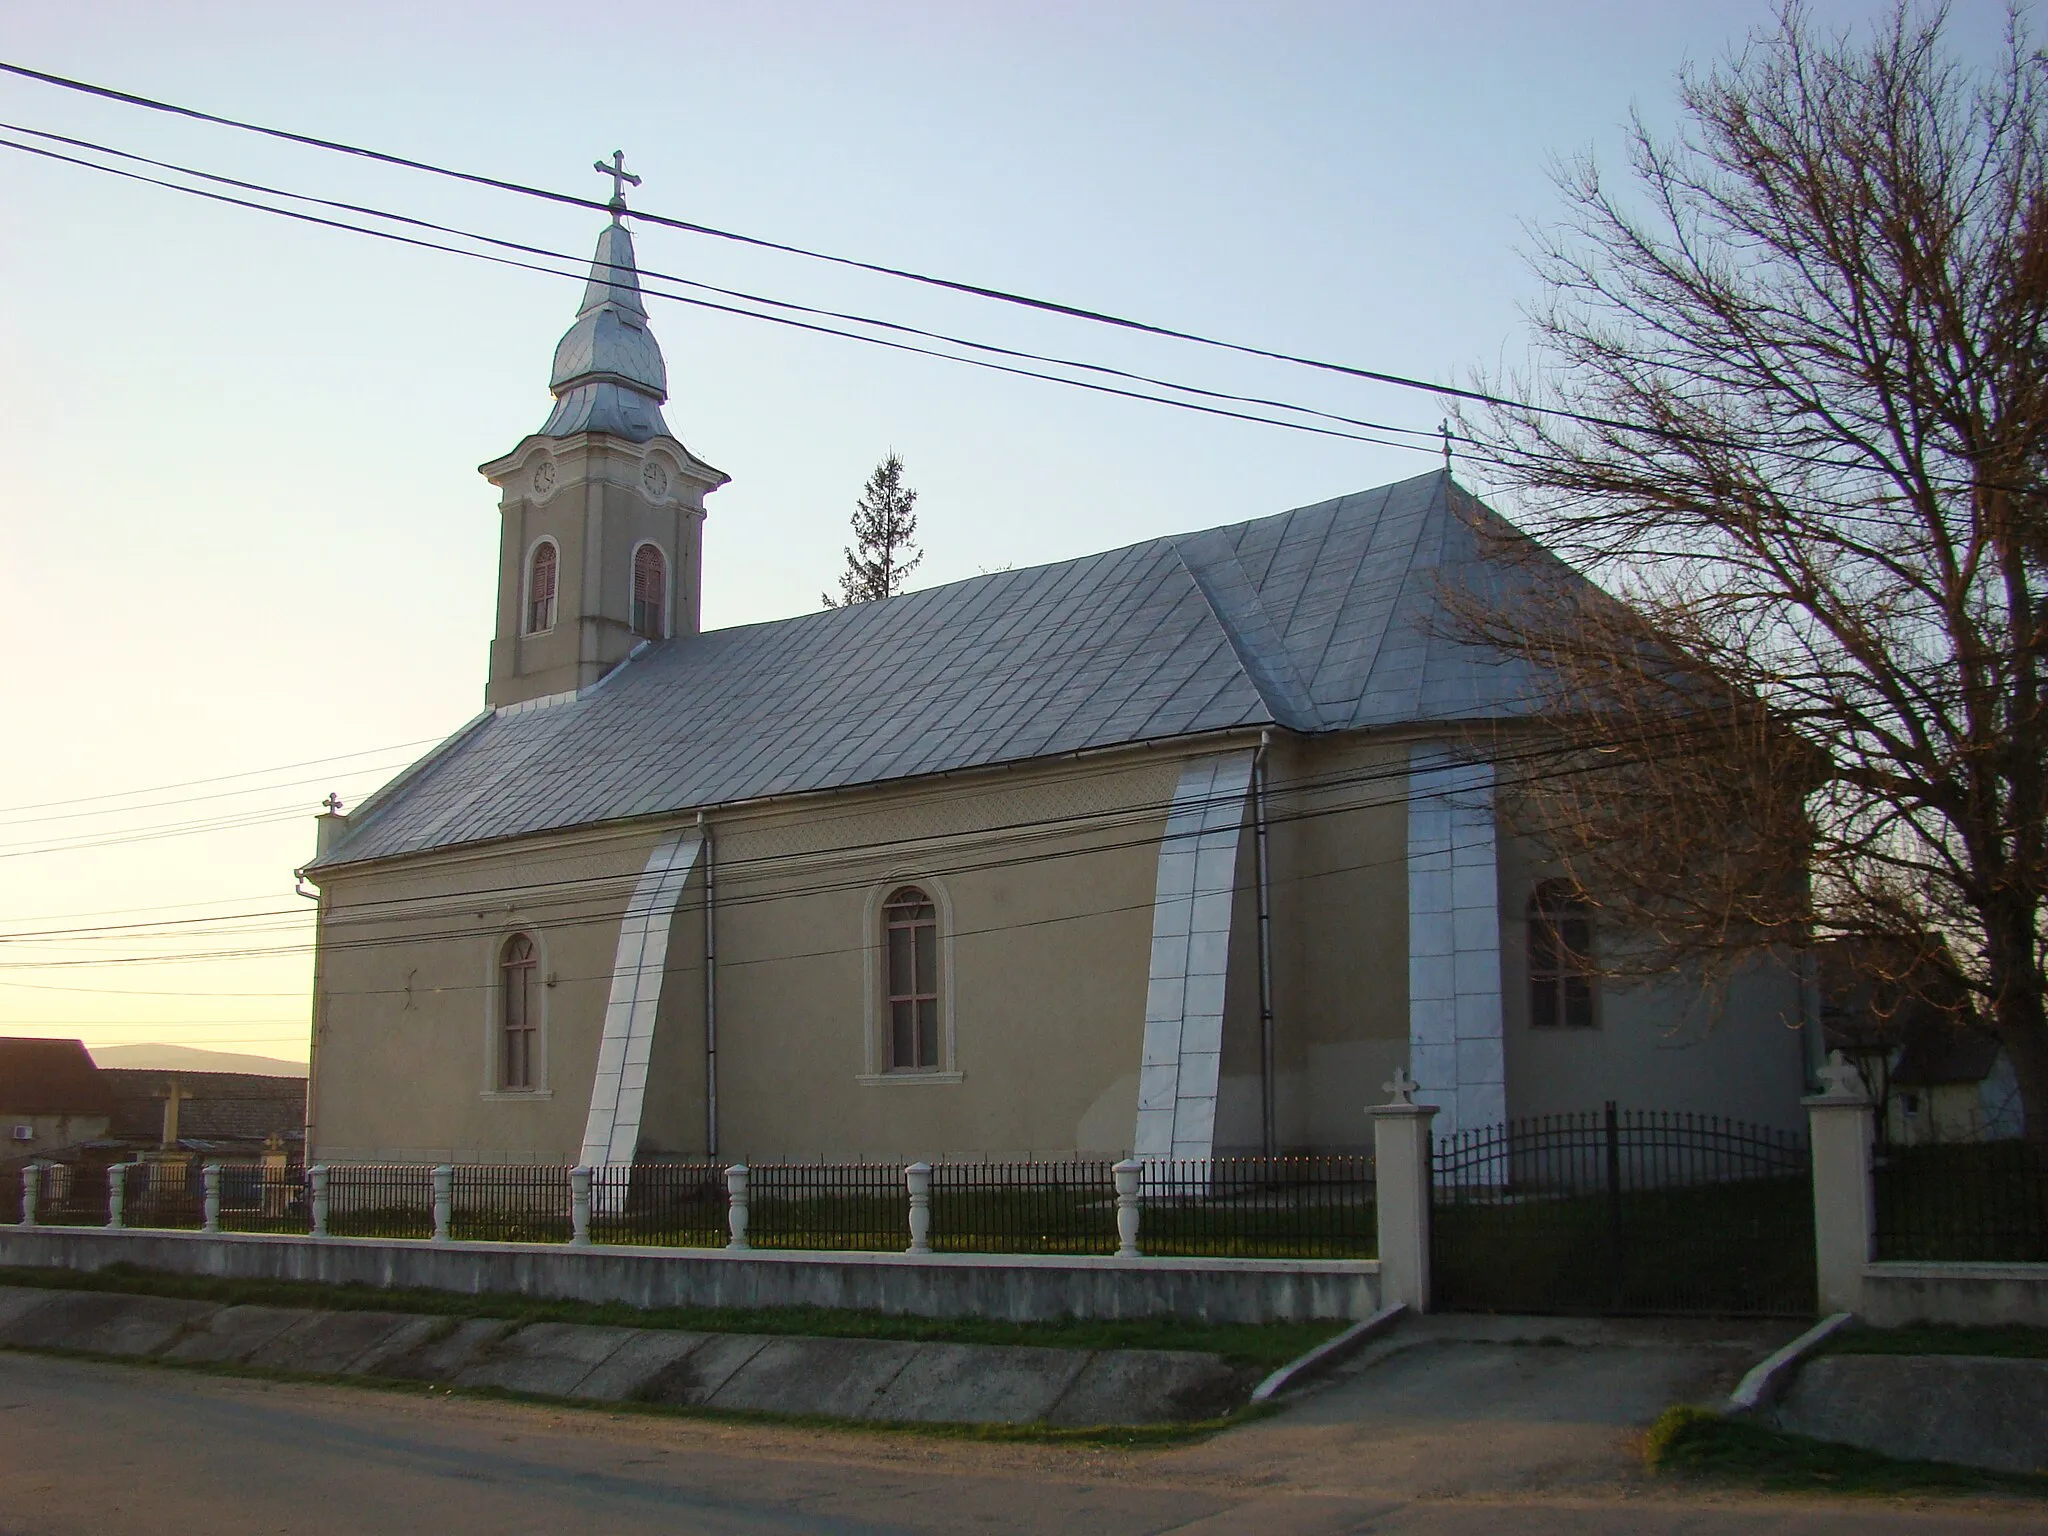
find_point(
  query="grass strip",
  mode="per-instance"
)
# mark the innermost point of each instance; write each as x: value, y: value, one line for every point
x: 1256, y: 1345
x: 1694, y: 1443
x: 2011, y: 1343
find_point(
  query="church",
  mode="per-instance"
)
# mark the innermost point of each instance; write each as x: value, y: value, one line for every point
x: 1182, y: 849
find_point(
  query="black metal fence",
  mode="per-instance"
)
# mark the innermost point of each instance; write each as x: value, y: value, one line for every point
x: 380, y: 1200
x: 1982, y: 1202
x: 1023, y: 1208
x: 72, y: 1195
x: 1278, y: 1207
x: 508, y: 1203
x: 1261, y: 1207
x: 168, y: 1194
x: 665, y: 1205
x: 860, y: 1206
x: 1624, y: 1212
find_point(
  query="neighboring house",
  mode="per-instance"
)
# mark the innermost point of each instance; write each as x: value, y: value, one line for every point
x: 208, y: 1115
x: 1952, y: 1084
x: 52, y: 1097
x: 1177, y: 849
x: 1937, y: 1074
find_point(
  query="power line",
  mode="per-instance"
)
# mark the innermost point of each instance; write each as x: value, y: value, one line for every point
x: 751, y: 314
x: 644, y: 273
x: 8, y: 822
x: 222, y: 778
x: 610, y: 886
x: 976, y: 290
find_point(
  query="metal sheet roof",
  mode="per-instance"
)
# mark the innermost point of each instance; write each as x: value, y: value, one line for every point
x: 1326, y: 618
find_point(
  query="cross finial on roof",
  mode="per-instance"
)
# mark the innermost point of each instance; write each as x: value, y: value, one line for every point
x: 333, y: 803
x: 1401, y: 1086
x: 1444, y: 427
x: 621, y: 179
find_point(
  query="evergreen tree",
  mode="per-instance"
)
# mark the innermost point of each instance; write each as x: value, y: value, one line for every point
x: 884, y: 526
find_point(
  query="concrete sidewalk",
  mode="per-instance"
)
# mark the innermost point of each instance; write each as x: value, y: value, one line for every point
x: 1468, y: 1406
x: 872, y: 1379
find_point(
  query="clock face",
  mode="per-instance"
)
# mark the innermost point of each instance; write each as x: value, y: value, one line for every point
x: 544, y: 475
x: 655, y: 478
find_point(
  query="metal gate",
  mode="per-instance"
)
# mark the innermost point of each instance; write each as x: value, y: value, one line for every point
x: 1617, y: 1211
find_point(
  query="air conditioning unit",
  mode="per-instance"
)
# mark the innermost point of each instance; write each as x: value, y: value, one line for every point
x: 24, y: 1133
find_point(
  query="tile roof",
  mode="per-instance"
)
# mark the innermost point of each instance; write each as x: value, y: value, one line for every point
x: 1326, y: 618
x: 220, y: 1106
x: 51, y: 1077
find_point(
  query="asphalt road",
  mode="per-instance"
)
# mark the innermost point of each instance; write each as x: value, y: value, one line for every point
x: 1451, y: 1437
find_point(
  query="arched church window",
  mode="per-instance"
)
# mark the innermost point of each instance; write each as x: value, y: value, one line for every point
x: 910, y: 931
x: 519, y: 1023
x: 540, y: 588
x: 1560, y: 957
x: 650, y: 593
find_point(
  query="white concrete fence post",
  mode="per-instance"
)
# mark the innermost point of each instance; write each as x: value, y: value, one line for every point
x: 210, y: 1181
x: 1127, y: 1174
x: 1401, y: 1169
x: 736, y: 1205
x: 917, y: 1178
x: 31, y: 1192
x: 579, y: 1207
x: 444, y: 1201
x: 1844, y: 1206
x: 117, y: 1194
x: 316, y: 1176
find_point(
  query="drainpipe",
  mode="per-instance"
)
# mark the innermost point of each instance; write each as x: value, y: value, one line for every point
x: 1268, y: 1125
x: 710, y: 988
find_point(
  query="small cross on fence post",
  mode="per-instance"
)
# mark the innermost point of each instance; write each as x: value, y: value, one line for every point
x: 1401, y: 1086
x: 1840, y: 1079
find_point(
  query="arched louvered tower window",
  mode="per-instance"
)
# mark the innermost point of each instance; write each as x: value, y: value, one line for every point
x: 1560, y: 957
x: 519, y: 1015
x: 540, y: 587
x: 910, y: 929
x: 650, y: 593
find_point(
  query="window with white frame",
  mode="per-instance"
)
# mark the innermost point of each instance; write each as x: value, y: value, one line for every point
x: 910, y: 945
x: 542, y: 572
x: 650, y: 592
x: 1560, y: 957
x: 519, y: 1015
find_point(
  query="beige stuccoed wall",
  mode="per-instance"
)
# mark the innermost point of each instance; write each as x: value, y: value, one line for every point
x: 52, y: 1133
x: 1045, y: 881
x: 1672, y: 1044
x: 403, y: 1061
x: 597, y: 512
x: 1339, y: 838
x: 1048, y: 876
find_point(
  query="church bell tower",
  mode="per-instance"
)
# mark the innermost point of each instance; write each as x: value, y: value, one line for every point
x: 603, y: 508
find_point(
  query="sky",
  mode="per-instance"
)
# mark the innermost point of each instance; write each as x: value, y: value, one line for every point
x: 249, y: 559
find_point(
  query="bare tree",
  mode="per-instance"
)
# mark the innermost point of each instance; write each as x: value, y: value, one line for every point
x: 1793, y: 407
x: 884, y: 530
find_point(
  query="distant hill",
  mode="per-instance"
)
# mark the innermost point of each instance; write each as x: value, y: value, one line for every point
x: 190, y: 1058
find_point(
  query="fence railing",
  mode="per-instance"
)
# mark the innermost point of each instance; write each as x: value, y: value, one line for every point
x: 660, y: 1205
x: 1262, y: 1207
x: 1624, y: 1211
x: 1962, y: 1202
x: 1276, y: 1207
x: 1023, y: 1208
x: 377, y: 1200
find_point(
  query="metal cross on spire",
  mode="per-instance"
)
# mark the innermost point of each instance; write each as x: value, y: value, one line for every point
x: 621, y: 179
